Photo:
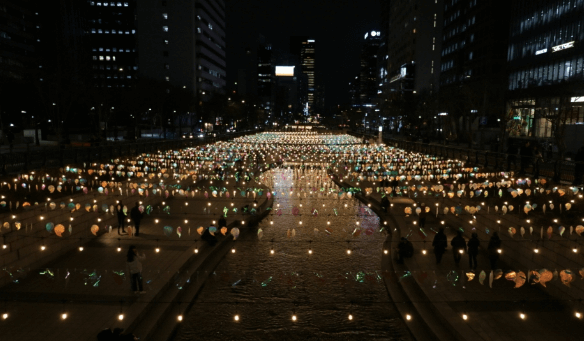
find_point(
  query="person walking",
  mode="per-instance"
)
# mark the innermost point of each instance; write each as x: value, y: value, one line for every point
x: 222, y: 222
x: 579, y: 167
x: 384, y: 203
x: 405, y: 249
x: 439, y: 243
x: 458, y: 247
x: 134, y: 265
x: 121, y: 217
x: 136, y: 218
x: 526, y: 153
x: 493, y: 249
x: 473, y: 250
x: 537, y: 160
x: 511, y: 152
x: 422, y: 216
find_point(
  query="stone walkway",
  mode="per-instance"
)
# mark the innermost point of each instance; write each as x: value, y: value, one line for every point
x: 88, y: 287
x: 491, y: 313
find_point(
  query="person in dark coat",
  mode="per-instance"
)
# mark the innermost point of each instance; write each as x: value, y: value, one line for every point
x: 222, y: 222
x: 136, y: 218
x: 579, y: 167
x: 458, y: 244
x: 405, y: 249
x: 209, y: 238
x: 384, y: 203
x: 493, y: 249
x: 439, y: 243
x: 511, y: 152
x: 473, y: 250
x: 526, y: 154
x: 422, y: 216
x: 121, y: 217
x: 537, y: 160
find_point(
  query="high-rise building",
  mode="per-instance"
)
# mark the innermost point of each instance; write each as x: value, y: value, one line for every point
x: 546, y: 69
x: 305, y: 49
x: 183, y: 42
x: 17, y: 38
x: 112, y: 41
x: 368, y: 74
x: 473, y: 63
x: 414, y: 46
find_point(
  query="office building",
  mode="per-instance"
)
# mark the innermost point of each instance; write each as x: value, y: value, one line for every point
x: 546, y: 57
x: 183, y: 42
x: 473, y: 63
x: 17, y: 37
x: 112, y: 41
x: 413, y: 61
x: 305, y: 49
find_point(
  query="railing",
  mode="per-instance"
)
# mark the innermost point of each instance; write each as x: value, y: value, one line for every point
x: 52, y: 157
x: 553, y: 169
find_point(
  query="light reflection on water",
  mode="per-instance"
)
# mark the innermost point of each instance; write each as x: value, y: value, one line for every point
x: 265, y: 290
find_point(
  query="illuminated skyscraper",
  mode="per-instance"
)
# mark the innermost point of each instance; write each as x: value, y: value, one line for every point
x: 305, y: 49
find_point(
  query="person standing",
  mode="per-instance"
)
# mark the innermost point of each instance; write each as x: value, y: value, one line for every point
x: 136, y: 218
x: 493, y: 249
x: 134, y: 265
x: 458, y: 246
x: 121, y: 217
x: 473, y: 251
x: 439, y: 243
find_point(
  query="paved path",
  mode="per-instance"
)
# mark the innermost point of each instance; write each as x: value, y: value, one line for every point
x: 91, y: 304
x: 492, y: 313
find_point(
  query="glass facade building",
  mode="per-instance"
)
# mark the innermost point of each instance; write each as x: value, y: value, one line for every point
x: 546, y: 58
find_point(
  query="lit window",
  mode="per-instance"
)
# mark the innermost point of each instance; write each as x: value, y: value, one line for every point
x: 99, y: 31
x: 133, y: 31
x: 100, y: 57
x: 165, y: 28
x: 166, y: 41
x: 107, y: 58
x: 167, y: 79
x: 126, y: 4
x: 165, y: 15
x: 210, y: 26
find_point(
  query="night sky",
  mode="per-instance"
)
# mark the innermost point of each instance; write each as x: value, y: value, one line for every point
x: 338, y: 26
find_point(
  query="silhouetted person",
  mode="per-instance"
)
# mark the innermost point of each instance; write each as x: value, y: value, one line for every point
x: 473, y: 250
x: 121, y: 217
x: 439, y: 243
x: 209, y: 238
x: 405, y: 249
x: 458, y: 244
x: 222, y: 222
x: 10, y: 138
x: 526, y: 153
x: 579, y: 166
x: 493, y: 249
x: 136, y: 218
x: 384, y: 203
x: 511, y: 153
x: 134, y: 266
x: 422, y: 216
x: 537, y: 160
